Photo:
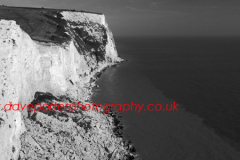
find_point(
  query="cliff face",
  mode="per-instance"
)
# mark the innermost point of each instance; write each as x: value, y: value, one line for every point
x: 63, y: 66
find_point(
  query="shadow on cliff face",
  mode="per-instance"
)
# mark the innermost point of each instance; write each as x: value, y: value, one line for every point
x: 86, y: 40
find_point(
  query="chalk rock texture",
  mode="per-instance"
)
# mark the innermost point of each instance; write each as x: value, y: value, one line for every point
x: 61, y: 61
x: 70, y: 135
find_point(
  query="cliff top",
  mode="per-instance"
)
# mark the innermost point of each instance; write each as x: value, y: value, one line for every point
x: 53, y: 9
x: 42, y: 24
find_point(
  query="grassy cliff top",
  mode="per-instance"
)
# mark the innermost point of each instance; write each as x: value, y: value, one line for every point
x: 42, y: 24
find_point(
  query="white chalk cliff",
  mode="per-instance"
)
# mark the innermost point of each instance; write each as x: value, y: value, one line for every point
x: 28, y: 66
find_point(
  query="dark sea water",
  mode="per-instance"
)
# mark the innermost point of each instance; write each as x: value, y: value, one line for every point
x: 200, y: 74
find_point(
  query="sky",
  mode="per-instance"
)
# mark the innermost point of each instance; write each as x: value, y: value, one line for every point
x: 156, y: 17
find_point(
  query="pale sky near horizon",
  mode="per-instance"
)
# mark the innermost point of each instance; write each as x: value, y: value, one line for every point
x: 156, y: 17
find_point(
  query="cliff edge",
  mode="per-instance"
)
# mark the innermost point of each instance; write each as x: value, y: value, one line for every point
x: 49, y: 56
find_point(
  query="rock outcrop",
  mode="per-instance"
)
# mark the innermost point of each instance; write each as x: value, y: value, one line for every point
x: 62, y: 64
x: 75, y: 135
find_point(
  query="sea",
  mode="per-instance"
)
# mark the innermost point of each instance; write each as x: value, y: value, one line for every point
x: 201, y: 74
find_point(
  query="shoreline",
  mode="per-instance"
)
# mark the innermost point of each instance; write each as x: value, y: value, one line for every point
x: 118, y: 130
